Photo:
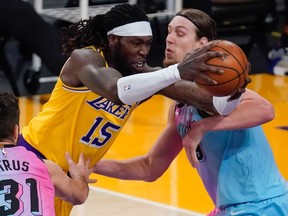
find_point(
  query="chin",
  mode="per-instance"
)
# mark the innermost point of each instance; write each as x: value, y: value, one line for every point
x: 135, y: 70
x: 168, y: 62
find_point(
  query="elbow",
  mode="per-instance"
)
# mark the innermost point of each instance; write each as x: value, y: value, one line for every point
x: 79, y: 201
x: 152, y: 172
x: 81, y: 197
x: 269, y: 112
x: 113, y: 96
x: 151, y: 177
x: 115, y: 99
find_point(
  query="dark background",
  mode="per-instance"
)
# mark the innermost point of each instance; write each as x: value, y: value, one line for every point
x: 256, y: 40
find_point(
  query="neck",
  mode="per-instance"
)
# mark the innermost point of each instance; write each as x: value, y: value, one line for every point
x: 6, y: 142
x: 3, y: 146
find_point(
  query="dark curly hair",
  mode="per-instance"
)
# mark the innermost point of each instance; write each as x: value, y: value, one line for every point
x: 93, y: 31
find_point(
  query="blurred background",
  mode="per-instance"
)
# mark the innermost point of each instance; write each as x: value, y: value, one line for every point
x: 31, y: 59
x: 31, y: 55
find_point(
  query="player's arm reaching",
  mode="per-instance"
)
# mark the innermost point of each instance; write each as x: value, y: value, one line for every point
x: 189, y: 93
x: 244, y: 116
x: 147, y: 167
x: 72, y: 189
x: 151, y: 166
x: 87, y: 67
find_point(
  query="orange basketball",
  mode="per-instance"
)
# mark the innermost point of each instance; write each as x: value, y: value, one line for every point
x: 235, y: 66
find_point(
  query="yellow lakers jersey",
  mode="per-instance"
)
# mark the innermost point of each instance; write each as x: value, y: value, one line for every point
x: 76, y: 120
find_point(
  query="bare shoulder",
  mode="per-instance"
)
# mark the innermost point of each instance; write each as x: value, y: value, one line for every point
x: 85, y: 56
x: 80, y: 61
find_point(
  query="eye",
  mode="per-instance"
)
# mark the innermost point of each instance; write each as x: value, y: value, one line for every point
x: 149, y: 43
x: 136, y: 43
x: 180, y: 33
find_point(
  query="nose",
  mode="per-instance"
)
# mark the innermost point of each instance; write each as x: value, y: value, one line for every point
x: 170, y: 38
x: 144, y: 50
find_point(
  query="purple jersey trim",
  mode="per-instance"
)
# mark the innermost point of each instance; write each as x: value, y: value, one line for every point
x: 24, y: 143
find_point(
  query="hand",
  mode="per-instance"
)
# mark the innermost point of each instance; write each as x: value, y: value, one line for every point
x: 190, y: 143
x: 80, y: 170
x: 193, y: 66
x: 241, y: 90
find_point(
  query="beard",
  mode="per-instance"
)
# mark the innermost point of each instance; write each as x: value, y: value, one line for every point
x: 168, y: 62
x: 121, y: 64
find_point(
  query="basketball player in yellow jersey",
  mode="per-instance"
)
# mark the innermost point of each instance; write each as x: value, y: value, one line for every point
x: 86, y: 122
x: 102, y: 82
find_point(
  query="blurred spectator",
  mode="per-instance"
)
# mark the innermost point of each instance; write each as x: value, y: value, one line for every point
x: 204, y: 5
x: 279, y: 57
x: 284, y: 36
x: 20, y: 21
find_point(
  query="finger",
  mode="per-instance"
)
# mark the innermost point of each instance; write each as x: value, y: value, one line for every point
x: 238, y: 93
x: 188, y: 153
x: 195, y: 160
x: 92, y: 180
x: 81, y: 159
x: 87, y: 164
x: 248, y: 80
x: 241, y: 90
x: 212, y: 69
x: 210, y: 45
x: 205, y: 48
x: 212, y: 54
x: 204, y: 76
x: 68, y: 158
x: 249, y: 67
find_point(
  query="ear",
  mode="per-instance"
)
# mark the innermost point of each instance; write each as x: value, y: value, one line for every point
x: 113, y: 40
x: 16, y: 132
x: 203, y: 41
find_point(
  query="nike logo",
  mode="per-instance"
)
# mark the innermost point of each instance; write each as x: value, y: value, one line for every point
x: 236, y: 212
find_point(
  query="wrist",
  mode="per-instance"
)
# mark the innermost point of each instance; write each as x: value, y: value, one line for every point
x: 80, y: 178
x: 172, y: 73
x: 200, y: 126
x: 223, y: 106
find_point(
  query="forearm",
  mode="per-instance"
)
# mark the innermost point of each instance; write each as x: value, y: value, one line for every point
x: 74, y: 192
x: 252, y: 111
x: 132, y: 169
x: 189, y: 93
x: 138, y: 87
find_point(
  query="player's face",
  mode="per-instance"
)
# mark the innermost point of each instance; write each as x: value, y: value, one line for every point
x: 132, y: 53
x: 180, y: 40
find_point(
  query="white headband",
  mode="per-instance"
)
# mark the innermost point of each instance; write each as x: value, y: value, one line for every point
x: 141, y: 28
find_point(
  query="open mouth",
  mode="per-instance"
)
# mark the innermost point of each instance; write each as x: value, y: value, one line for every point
x: 139, y: 64
x: 168, y: 50
x: 137, y: 67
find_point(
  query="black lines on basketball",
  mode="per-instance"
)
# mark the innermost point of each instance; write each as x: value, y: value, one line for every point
x: 234, y: 63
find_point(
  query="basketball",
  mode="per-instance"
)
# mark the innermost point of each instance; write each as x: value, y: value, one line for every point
x: 235, y: 66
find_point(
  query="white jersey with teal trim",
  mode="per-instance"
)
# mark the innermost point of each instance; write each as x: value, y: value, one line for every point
x: 237, y: 166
